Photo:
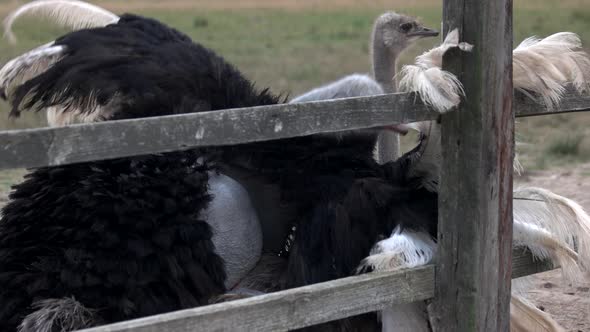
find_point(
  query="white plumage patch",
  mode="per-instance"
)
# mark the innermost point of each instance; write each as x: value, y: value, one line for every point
x: 525, y: 317
x: 62, y: 315
x: 545, y: 66
x: 544, y: 245
x: 541, y: 66
x: 23, y: 68
x: 437, y: 88
x: 68, y: 13
x: 402, y: 250
x: 564, y: 219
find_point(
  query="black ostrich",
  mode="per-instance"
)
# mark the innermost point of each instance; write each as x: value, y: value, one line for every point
x: 126, y: 238
x: 121, y: 238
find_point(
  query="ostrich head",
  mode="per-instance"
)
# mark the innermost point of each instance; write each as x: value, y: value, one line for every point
x: 392, y: 34
x: 397, y: 32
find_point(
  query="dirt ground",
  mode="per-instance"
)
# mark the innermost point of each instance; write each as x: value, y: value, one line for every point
x: 568, y: 304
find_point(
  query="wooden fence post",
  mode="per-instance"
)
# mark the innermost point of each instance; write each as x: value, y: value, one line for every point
x: 475, y: 211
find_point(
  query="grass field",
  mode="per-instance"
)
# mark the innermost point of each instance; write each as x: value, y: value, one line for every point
x: 291, y: 46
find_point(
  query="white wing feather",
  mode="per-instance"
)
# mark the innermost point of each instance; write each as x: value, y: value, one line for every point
x: 27, y: 66
x: 69, y: 13
x: 546, y: 66
x: 542, y: 66
x: 437, y: 88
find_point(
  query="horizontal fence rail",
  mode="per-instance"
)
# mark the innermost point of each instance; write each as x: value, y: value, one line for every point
x: 114, y: 139
x: 309, y: 305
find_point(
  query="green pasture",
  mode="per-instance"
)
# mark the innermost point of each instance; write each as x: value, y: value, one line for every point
x: 291, y: 51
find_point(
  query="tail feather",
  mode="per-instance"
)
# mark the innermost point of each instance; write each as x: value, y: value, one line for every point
x: 563, y: 219
x: 546, y: 66
x: 23, y: 68
x: 61, y: 315
x: 544, y: 245
x: 525, y: 317
x: 541, y: 66
x: 69, y: 13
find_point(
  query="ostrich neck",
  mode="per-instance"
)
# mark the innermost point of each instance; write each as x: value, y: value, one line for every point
x: 384, y: 71
x: 384, y: 65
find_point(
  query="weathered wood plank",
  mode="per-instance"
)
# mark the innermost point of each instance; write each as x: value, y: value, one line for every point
x: 475, y: 201
x: 572, y: 102
x: 309, y: 305
x: 80, y: 143
x: 523, y: 264
x: 296, y: 307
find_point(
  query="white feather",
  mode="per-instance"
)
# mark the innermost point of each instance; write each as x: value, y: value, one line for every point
x: 544, y: 245
x: 541, y: 66
x: 62, y: 315
x: 402, y: 250
x: 565, y: 219
x: 525, y: 317
x: 546, y: 66
x: 28, y: 65
x: 69, y: 13
x: 437, y: 88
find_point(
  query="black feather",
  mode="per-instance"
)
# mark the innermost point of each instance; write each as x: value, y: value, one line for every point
x: 122, y: 236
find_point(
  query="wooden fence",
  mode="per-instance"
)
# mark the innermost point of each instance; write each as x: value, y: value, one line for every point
x: 471, y: 286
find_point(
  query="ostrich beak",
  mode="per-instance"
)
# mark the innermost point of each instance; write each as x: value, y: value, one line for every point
x: 423, y: 32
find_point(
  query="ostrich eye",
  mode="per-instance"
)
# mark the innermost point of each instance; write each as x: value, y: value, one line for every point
x: 405, y: 27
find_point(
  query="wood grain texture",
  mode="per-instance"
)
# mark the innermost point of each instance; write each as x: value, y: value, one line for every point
x: 308, y: 305
x: 475, y: 198
x: 572, y: 102
x: 295, y: 308
x: 79, y: 143
x: 114, y: 139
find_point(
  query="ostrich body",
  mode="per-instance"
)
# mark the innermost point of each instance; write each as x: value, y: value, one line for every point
x: 97, y: 254
x: 535, y: 209
x: 543, y: 221
x: 122, y: 238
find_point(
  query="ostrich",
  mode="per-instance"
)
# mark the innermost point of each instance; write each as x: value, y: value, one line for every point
x: 99, y: 242
x: 125, y: 238
x: 542, y: 67
x: 543, y: 221
x: 334, y: 195
x: 392, y: 34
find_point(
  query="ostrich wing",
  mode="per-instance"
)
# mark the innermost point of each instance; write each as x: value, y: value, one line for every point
x: 542, y: 66
x: 135, y: 68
